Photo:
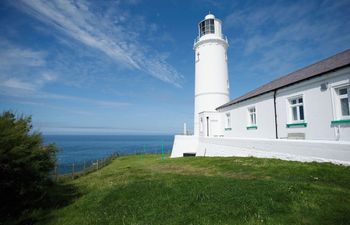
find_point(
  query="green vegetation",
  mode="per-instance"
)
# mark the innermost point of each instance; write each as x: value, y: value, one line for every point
x: 136, y: 190
x: 25, y: 166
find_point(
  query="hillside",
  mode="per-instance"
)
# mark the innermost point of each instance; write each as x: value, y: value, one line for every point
x: 147, y: 190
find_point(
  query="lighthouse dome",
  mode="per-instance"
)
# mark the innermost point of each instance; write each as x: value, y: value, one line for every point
x: 209, y: 16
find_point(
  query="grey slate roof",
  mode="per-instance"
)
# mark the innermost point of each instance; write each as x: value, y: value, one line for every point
x: 332, y: 63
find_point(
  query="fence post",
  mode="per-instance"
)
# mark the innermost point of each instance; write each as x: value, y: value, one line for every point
x: 162, y: 150
x: 73, y: 171
x: 97, y: 164
x: 144, y: 151
x: 56, y: 175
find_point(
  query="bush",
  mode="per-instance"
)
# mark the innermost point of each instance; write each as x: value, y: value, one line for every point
x: 25, y: 165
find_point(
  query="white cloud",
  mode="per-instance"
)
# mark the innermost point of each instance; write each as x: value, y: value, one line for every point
x: 108, y: 34
x: 25, y: 84
x: 23, y: 68
x: 50, y: 106
x: 14, y: 56
x: 26, y: 92
x: 102, y: 103
x: 277, y: 38
x: 17, y: 84
x: 48, y: 77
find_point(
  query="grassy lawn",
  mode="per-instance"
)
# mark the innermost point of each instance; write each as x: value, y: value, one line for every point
x: 135, y: 190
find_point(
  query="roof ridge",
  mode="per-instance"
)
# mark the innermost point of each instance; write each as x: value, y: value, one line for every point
x: 313, y: 64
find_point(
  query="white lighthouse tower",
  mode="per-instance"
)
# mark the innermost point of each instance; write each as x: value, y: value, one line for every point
x: 211, y: 75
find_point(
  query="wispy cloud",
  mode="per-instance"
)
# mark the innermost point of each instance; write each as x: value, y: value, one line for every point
x: 49, y: 106
x: 23, y: 68
x: 17, y: 84
x: 25, y: 84
x: 108, y: 33
x: 23, y: 75
x: 102, y: 103
x: 278, y: 37
x: 104, y: 128
x: 23, y: 92
x: 14, y: 56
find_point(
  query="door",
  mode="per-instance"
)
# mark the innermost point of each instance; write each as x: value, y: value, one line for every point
x: 208, y: 126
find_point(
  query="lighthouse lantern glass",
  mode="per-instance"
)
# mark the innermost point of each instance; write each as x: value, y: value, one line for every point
x: 206, y: 27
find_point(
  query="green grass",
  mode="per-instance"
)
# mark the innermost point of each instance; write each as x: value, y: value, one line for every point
x: 132, y: 190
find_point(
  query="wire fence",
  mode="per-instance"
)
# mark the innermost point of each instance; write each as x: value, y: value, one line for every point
x: 76, y: 169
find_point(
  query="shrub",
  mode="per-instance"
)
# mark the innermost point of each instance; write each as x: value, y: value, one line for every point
x: 25, y: 165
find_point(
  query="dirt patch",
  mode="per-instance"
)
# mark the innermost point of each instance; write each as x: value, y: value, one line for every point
x: 206, y: 171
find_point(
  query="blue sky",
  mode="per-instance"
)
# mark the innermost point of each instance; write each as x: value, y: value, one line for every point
x: 127, y: 67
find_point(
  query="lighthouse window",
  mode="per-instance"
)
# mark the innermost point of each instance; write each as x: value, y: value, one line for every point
x: 206, y: 27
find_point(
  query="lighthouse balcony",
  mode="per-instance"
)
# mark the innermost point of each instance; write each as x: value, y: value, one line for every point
x: 210, y: 37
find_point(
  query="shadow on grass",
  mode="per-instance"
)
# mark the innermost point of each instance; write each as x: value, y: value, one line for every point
x: 58, y: 195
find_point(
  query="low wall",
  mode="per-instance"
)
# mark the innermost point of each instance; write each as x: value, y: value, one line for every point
x: 299, y: 150
x: 184, y: 144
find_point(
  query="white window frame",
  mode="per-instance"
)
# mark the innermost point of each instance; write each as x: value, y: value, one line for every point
x: 252, y: 120
x: 228, y: 120
x: 297, y: 105
x: 337, y: 98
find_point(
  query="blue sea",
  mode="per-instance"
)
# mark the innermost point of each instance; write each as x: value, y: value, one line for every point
x: 86, y: 148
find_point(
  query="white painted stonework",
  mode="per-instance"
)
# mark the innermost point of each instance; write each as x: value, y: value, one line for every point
x: 211, y: 73
x: 297, y: 150
x: 184, y: 144
x: 265, y: 125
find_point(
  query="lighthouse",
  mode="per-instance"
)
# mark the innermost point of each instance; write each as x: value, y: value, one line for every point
x: 211, y: 75
x: 254, y: 123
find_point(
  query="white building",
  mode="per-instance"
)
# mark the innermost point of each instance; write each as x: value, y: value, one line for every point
x: 301, y: 116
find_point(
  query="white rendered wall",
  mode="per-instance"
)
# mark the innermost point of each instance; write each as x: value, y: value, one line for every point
x: 318, y: 108
x: 265, y: 119
x: 298, y: 150
x: 214, y: 128
x: 184, y: 144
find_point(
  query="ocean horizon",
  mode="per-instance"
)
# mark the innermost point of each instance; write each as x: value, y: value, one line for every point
x: 82, y: 148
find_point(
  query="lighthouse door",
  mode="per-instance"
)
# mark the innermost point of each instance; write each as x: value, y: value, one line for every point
x: 208, y: 126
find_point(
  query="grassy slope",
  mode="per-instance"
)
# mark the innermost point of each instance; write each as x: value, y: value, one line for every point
x: 209, y: 191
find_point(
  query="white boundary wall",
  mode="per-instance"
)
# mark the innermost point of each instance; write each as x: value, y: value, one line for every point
x: 299, y: 150
x: 184, y: 144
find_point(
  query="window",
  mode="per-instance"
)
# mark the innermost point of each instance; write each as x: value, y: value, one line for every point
x: 201, y: 125
x: 197, y: 56
x: 252, y: 116
x: 297, y: 109
x: 343, y: 110
x: 206, y: 27
x: 228, y: 120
